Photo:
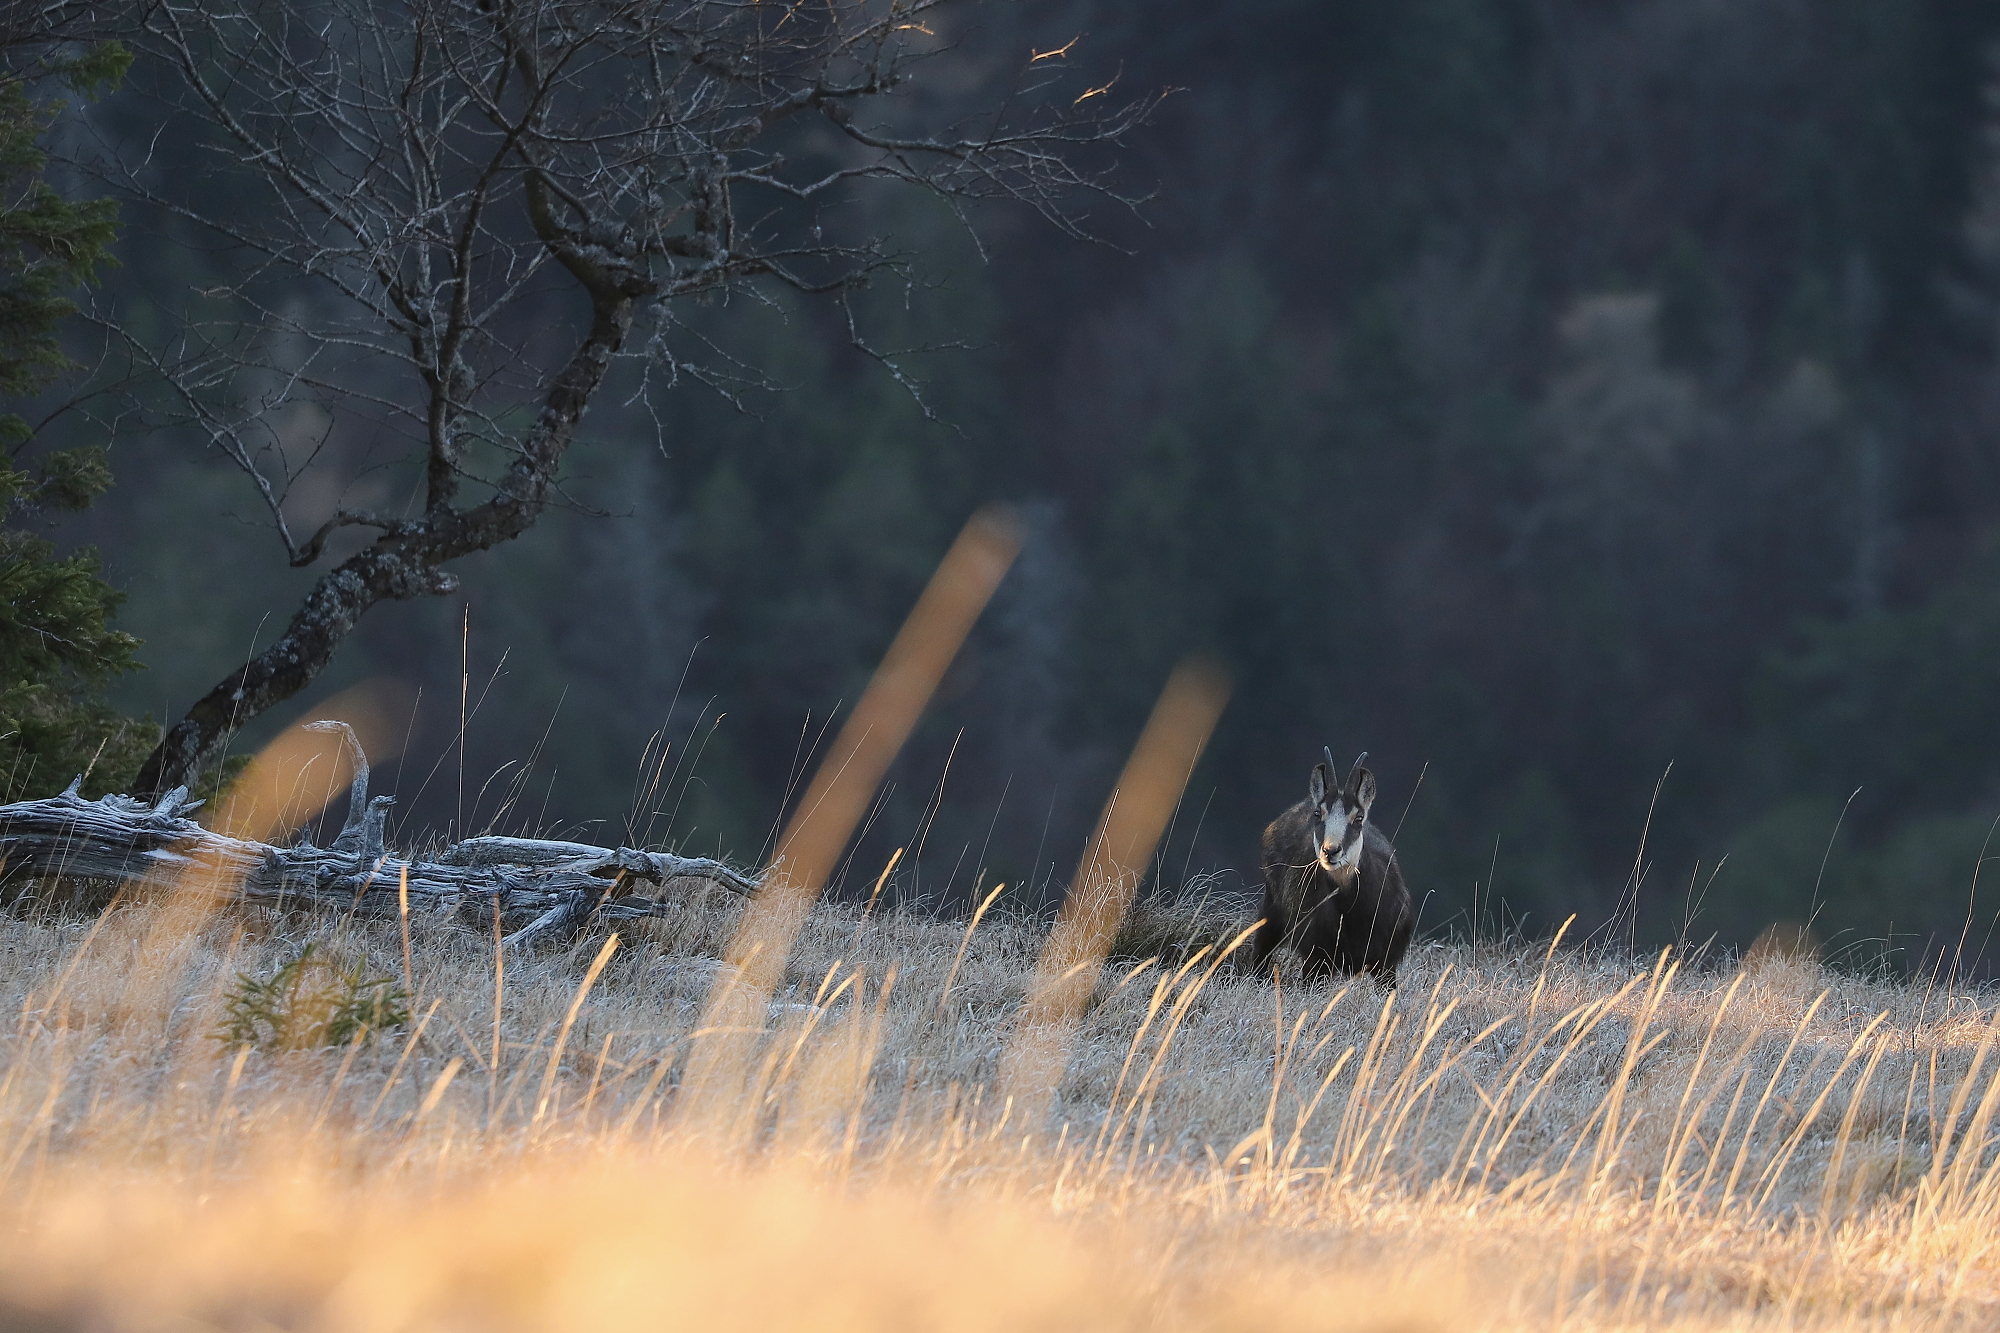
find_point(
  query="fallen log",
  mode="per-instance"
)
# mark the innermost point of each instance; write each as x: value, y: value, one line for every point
x: 557, y: 886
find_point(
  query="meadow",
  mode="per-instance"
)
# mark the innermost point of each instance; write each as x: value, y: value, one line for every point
x: 1523, y: 1135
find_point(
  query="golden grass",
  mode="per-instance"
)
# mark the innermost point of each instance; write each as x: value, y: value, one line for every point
x: 1518, y: 1139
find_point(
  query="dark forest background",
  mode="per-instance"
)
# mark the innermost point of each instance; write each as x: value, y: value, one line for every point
x: 1591, y: 408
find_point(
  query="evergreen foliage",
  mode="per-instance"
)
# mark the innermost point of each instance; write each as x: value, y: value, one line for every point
x: 310, y: 1001
x: 57, y: 645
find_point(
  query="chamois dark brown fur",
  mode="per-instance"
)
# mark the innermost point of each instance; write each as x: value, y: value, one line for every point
x: 1332, y: 888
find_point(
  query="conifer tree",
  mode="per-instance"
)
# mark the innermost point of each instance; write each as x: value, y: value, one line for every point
x: 57, y: 644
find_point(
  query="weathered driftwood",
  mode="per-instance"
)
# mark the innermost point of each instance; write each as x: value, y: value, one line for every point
x: 559, y: 886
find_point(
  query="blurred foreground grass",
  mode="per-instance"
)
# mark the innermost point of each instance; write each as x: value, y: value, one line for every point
x: 1516, y: 1140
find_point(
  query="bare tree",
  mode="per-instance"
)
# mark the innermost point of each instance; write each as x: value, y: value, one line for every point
x: 453, y: 213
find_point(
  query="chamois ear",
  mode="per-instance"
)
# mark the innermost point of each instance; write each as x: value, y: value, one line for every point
x: 1316, y: 785
x: 1361, y: 789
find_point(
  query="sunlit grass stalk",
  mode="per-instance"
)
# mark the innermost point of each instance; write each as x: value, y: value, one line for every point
x: 402, y: 1058
x: 1735, y: 1076
x: 1845, y: 1136
x: 865, y: 1051
x: 1404, y: 1092
x: 1354, y: 1116
x: 1148, y: 1087
x: 1958, y: 1152
x: 1774, y: 1172
x: 569, y: 1019
x: 1764, y: 1101
x: 1682, y: 1134
x: 944, y: 993
x: 1495, y: 1106
x: 214, y: 1126
x: 354, y: 1045
x: 1613, y: 1131
x: 499, y: 1010
x: 1114, y: 1121
x: 1581, y: 1021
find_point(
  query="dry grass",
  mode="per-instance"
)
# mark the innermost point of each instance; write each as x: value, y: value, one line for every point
x: 1516, y: 1140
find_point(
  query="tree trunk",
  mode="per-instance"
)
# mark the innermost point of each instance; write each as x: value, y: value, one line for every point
x: 401, y: 565
x: 549, y: 888
x: 330, y: 611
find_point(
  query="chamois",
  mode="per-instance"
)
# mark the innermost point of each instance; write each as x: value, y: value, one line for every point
x: 1332, y: 888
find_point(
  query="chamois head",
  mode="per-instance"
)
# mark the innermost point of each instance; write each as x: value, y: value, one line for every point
x: 1339, y: 816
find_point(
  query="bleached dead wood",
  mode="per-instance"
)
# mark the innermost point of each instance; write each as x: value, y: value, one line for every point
x: 556, y: 886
